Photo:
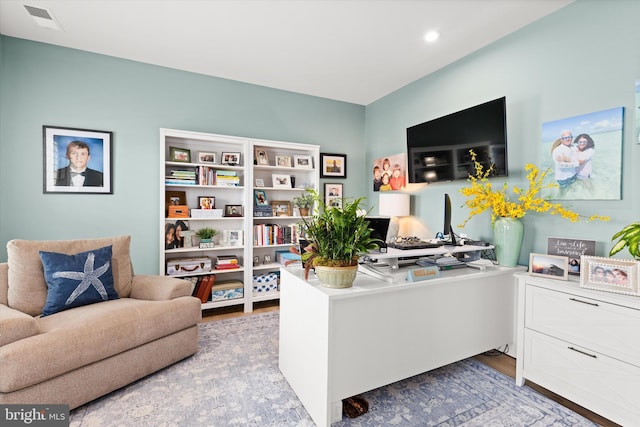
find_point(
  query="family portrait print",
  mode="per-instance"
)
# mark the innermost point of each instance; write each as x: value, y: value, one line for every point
x: 77, y: 160
x: 390, y: 173
x: 174, y: 234
x: 609, y: 274
x: 584, y: 154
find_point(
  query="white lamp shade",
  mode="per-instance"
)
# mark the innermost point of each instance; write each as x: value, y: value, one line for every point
x: 394, y: 204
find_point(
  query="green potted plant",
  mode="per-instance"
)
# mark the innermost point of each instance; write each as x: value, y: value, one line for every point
x: 206, y: 235
x: 304, y: 202
x: 630, y: 238
x: 337, y: 236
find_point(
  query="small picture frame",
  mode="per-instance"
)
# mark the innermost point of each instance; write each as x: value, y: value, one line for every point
x: 260, y: 198
x: 267, y: 259
x: 551, y: 266
x: 233, y: 210
x: 283, y: 161
x: 174, y: 198
x: 77, y: 161
x: 609, y: 274
x: 281, y: 207
x: 256, y: 261
x: 230, y: 158
x: 333, y: 193
x: 262, y: 158
x: 333, y: 165
x: 281, y: 181
x: 206, y: 202
x: 177, y: 154
x: 259, y: 182
x: 206, y: 157
x: 232, y: 237
x: 303, y: 162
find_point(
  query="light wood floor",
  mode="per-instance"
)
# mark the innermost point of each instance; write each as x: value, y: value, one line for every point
x: 501, y: 362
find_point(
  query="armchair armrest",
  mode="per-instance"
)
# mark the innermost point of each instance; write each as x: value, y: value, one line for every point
x: 159, y: 288
x: 16, y: 325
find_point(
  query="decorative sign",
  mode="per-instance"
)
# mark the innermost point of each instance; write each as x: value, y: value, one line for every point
x: 571, y: 248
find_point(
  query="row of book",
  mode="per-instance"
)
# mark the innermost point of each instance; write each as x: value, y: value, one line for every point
x: 203, y: 175
x: 203, y: 285
x: 227, y: 262
x: 276, y: 234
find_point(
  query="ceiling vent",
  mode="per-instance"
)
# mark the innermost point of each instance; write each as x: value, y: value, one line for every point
x: 43, y: 17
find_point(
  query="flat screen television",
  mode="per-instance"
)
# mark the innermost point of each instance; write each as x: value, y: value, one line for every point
x: 438, y: 150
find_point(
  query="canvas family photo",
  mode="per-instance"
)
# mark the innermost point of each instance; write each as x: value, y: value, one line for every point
x: 77, y: 160
x: 389, y: 173
x: 584, y: 154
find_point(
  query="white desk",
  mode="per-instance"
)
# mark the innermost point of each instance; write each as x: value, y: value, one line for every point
x: 336, y: 343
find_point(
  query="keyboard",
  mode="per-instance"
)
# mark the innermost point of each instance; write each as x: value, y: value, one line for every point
x: 415, y: 245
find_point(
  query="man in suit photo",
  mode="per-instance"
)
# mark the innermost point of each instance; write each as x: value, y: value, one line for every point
x: 76, y: 173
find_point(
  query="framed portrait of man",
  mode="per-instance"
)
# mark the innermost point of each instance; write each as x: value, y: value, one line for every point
x: 77, y: 161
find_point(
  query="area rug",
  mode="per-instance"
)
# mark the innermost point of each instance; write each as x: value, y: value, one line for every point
x: 234, y: 380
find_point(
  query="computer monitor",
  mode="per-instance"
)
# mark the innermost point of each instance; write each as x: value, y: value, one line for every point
x: 380, y: 227
x: 447, y: 230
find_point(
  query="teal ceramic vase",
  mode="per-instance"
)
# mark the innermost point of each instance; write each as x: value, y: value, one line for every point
x: 507, y: 238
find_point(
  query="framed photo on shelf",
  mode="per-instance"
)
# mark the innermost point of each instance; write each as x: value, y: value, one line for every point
x: 206, y: 202
x: 174, y: 198
x: 177, y: 235
x: 571, y: 248
x: 262, y: 158
x: 206, y: 157
x: 609, y: 274
x: 232, y: 237
x: 551, y: 266
x: 303, y: 162
x: 281, y: 207
x: 230, y: 158
x: 281, y: 181
x: 77, y: 161
x: 259, y: 182
x: 232, y: 210
x: 260, y: 198
x: 333, y: 165
x: 177, y: 154
x: 283, y: 161
x: 333, y: 194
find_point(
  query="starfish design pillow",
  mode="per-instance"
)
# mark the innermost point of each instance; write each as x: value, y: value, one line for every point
x: 76, y: 280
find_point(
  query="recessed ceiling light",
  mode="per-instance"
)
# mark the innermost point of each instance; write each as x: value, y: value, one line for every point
x: 431, y: 36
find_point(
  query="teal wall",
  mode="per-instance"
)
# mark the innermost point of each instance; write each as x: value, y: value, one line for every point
x: 47, y: 85
x: 581, y: 59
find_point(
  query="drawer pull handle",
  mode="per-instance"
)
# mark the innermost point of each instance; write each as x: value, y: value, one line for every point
x: 584, y: 302
x: 583, y: 352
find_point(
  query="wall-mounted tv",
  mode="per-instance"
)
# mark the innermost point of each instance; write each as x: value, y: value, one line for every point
x: 438, y: 150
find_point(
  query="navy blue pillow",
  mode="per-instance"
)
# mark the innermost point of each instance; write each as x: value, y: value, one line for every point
x: 76, y: 280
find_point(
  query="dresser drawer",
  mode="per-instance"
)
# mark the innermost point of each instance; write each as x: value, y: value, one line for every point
x: 606, y: 328
x: 605, y: 385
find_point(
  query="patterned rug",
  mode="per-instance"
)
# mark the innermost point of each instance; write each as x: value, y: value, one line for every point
x: 234, y: 380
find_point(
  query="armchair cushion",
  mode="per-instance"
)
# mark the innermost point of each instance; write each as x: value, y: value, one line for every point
x: 76, y: 280
x: 27, y: 288
x: 15, y: 325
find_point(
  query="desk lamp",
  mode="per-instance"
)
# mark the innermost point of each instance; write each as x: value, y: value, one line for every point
x: 394, y: 205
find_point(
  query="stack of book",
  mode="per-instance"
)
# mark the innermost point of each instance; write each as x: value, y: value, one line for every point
x: 181, y: 177
x: 202, y: 289
x: 227, y: 179
x: 227, y: 262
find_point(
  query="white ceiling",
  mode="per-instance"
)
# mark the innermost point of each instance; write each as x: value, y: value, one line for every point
x: 349, y: 50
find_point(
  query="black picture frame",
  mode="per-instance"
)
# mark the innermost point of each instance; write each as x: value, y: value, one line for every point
x: 95, y: 145
x: 233, y: 210
x: 333, y: 165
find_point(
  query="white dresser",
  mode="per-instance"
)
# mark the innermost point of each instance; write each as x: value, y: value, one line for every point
x: 581, y: 344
